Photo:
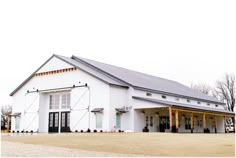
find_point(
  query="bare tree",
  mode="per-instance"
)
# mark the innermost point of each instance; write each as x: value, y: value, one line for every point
x: 225, y: 91
x: 204, y: 88
x: 5, y: 110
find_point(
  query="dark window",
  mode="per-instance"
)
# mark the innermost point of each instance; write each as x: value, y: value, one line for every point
x: 177, y: 99
x: 188, y: 100
x: 164, y: 122
x: 148, y: 94
x: 199, y: 102
x: 208, y: 104
x: 163, y: 96
x: 216, y: 105
x: 187, y: 123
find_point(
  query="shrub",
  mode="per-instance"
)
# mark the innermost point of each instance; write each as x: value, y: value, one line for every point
x: 81, y: 131
x: 88, y: 130
x: 101, y: 131
x: 95, y: 131
x: 76, y: 131
x: 31, y: 131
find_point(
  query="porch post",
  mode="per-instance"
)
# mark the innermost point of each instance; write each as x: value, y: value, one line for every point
x: 191, y: 122
x: 233, y: 119
x: 176, y: 120
x: 8, y: 122
x: 170, y: 118
x: 225, y: 123
x: 204, y: 122
x: 215, y: 124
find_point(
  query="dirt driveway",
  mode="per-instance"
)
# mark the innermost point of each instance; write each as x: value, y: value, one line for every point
x: 148, y: 144
x: 14, y: 149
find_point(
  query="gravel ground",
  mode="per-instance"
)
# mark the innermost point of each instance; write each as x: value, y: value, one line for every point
x: 13, y: 149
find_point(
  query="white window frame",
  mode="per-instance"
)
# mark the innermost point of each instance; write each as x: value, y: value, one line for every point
x: 99, y: 116
x: 56, y: 101
x: 17, y: 122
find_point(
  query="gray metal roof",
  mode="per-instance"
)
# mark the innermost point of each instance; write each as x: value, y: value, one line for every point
x: 145, y: 81
x: 123, y: 77
x: 183, y: 105
x: 104, y: 77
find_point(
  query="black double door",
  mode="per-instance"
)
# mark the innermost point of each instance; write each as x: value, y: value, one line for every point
x: 53, y: 125
x: 65, y: 121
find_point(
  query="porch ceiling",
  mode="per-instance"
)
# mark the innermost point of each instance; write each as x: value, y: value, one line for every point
x: 181, y: 105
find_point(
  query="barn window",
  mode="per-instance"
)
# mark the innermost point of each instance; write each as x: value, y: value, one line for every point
x: 17, y: 122
x: 54, y: 101
x: 118, y: 120
x: 65, y: 101
x: 188, y: 100
x: 98, y: 120
x: 149, y: 94
x: 199, y: 102
x: 59, y: 100
x: 216, y: 105
x: 163, y: 96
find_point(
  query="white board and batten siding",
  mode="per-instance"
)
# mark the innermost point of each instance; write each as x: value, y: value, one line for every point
x: 34, y: 107
x: 99, y: 94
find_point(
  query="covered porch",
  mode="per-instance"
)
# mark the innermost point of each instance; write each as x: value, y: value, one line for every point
x: 172, y: 119
x: 169, y: 117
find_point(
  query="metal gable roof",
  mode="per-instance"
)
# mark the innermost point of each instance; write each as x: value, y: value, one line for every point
x: 102, y: 77
x: 123, y: 77
x: 145, y: 81
x: 105, y: 78
x: 182, y: 105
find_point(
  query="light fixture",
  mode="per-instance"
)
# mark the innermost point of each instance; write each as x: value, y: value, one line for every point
x: 142, y: 112
x: 157, y: 114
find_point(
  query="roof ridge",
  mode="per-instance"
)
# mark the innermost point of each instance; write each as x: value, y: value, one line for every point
x: 81, y: 58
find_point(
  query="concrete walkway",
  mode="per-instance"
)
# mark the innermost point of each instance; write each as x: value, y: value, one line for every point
x: 14, y: 149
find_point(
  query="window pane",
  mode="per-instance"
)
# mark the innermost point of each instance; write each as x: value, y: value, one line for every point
x: 63, y: 119
x: 63, y: 101
x: 151, y: 121
x: 118, y: 121
x: 57, y: 97
x: 98, y: 121
x: 17, y: 124
x: 51, y: 120
x: 68, y: 119
x: 50, y: 102
x: 68, y: 100
x: 56, y: 119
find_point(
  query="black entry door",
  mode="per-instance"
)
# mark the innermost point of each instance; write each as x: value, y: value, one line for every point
x: 65, y: 121
x: 53, y: 122
x: 164, y: 123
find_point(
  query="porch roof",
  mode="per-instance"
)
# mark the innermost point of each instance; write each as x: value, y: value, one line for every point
x: 97, y: 110
x: 183, y: 105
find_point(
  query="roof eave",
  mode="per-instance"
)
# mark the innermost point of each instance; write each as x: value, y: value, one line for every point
x: 31, y: 76
x: 177, y: 95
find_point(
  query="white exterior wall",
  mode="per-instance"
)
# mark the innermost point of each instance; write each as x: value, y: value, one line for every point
x: 119, y: 99
x: 99, y: 97
x: 34, y: 107
x: 139, y: 117
x: 141, y: 93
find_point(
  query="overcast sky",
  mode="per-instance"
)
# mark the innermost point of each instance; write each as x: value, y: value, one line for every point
x: 186, y: 41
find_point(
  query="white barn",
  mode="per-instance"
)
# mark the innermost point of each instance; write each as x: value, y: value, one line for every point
x: 73, y: 94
